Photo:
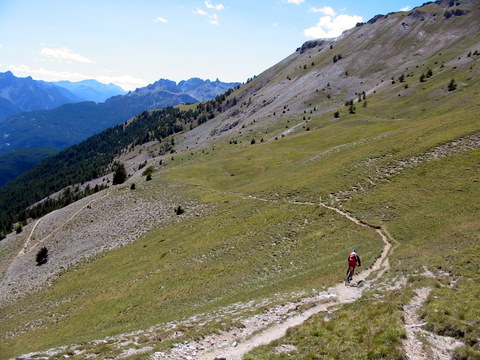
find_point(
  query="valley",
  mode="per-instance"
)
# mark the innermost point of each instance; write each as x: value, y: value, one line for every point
x: 308, y: 160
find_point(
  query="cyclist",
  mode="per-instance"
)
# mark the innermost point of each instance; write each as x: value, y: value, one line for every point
x: 353, y: 261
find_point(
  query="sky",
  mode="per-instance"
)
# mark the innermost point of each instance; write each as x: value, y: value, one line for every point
x: 133, y: 43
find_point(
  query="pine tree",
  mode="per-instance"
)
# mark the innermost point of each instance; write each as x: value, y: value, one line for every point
x: 452, y: 85
x: 42, y: 256
x: 120, y: 175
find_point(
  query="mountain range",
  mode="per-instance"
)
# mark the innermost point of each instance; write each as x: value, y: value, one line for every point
x: 233, y: 220
x: 91, y: 90
x: 25, y: 94
x: 71, y: 123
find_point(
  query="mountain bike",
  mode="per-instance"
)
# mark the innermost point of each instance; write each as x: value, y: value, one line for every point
x: 349, y: 276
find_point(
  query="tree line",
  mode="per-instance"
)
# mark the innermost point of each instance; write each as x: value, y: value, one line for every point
x: 93, y: 158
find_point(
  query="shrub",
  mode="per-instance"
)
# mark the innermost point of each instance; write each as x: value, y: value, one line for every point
x: 120, y: 175
x: 452, y: 85
x: 133, y: 186
x: 148, y: 171
x: 42, y: 256
x: 179, y: 210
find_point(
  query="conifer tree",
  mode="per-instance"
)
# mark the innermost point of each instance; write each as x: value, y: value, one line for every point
x: 42, y: 256
x: 120, y: 175
x: 452, y: 85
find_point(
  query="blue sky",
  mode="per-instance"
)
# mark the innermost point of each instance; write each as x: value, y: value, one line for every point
x: 136, y: 42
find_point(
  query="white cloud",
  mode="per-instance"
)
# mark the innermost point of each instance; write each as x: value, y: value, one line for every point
x: 406, y: 8
x: 200, y: 12
x: 296, y: 2
x: 64, y: 54
x: 214, y: 19
x: 327, y: 10
x: 126, y: 82
x: 331, y: 27
x: 160, y: 19
x: 209, y: 5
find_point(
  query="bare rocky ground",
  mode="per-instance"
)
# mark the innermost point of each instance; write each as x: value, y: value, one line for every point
x: 85, y: 229
x: 421, y: 344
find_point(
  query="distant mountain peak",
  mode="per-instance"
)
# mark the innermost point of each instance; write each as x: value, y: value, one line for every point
x: 25, y: 94
x: 91, y: 89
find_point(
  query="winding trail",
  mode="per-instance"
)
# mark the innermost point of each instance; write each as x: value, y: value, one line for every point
x: 341, y: 295
x: 230, y: 346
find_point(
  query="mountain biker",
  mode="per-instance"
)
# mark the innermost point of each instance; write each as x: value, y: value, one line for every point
x: 353, y: 261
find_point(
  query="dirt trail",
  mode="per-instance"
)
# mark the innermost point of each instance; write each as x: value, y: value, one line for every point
x: 24, y: 250
x: 341, y: 295
x: 62, y: 225
x: 233, y: 345
x: 273, y: 323
x: 420, y: 344
x: 25, y: 245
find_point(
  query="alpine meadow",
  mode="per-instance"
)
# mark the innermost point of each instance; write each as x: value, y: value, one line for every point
x: 221, y: 229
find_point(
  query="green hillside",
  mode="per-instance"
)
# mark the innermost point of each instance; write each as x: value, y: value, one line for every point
x: 16, y: 162
x: 404, y: 159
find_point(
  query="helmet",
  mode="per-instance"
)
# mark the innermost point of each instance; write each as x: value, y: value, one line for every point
x: 354, y: 250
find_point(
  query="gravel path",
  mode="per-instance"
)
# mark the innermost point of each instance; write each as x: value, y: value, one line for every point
x: 420, y: 344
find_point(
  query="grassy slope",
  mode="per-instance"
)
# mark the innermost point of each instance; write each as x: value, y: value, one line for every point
x: 245, y: 249
x: 248, y: 249
x: 431, y: 210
